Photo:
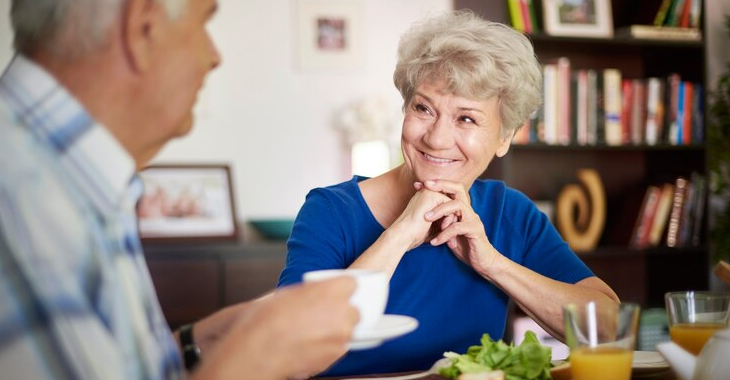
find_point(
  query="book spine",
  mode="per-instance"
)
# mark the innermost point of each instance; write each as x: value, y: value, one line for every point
x: 675, y: 13
x: 612, y: 106
x: 533, y: 16
x: 676, y: 128
x: 526, y: 21
x: 640, y: 238
x: 638, y: 111
x: 684, y: 17
x: 672, y: 95
x: 698, y: 125
x: 564, y: 106
x: 661, y: 14
x: 653, y: 102
x: 592, y: 107
x: 695, y: 14
x: 687, y: 120
x: 515, y: 15
x: 699, y: 209
x: 550, y: 74
x: 662, y: 215
x: 627, y: 101
x: 680, y: 190
x: 582, y: 106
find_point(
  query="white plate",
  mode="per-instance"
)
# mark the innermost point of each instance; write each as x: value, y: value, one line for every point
x: 648, y: 363
x: 388, y: 327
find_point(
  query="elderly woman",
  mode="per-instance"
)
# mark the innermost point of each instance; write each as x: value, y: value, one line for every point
x: 456, y: 247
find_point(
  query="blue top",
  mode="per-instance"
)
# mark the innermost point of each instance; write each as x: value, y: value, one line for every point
x: 76, y: 297
x: 452, y: 303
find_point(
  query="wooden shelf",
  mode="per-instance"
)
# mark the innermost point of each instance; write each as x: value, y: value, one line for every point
x: 616, y: 41
x: 608, y: 148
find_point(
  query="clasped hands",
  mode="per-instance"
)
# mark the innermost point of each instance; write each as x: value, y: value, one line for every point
x: 440, y: 213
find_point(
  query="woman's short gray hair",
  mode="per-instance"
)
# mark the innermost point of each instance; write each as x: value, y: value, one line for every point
x: 69, y: 28
x: 476, y: 59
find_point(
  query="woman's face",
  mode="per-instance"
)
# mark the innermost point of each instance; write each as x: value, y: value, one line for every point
x: 449, y: 137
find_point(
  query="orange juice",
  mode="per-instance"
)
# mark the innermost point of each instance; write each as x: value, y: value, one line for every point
x: 693, y: 336
x: 600, y: 363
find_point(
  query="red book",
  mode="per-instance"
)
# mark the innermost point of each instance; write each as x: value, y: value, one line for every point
x: 626, y: 110
x: 642, y: 228
x: 687, y: 114
x: 684, y: 18
x: 526, y: 17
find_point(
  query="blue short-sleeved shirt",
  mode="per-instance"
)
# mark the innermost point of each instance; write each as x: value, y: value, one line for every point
x: 452, y: 303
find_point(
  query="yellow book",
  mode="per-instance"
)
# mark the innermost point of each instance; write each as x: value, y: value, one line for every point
x: 515, y: 14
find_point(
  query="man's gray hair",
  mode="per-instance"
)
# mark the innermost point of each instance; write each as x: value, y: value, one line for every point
x: 69, y: 28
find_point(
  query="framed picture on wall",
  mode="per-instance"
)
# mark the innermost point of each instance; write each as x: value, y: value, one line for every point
x: 578, y: 18
x: 183, y: 203
x: 330, y: 34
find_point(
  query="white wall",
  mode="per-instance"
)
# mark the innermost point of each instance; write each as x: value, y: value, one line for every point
x: 269, y: 120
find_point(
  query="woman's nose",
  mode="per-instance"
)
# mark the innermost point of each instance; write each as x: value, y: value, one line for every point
x: 440, y: 134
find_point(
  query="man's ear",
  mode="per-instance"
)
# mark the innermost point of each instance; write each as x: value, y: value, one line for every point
x: 140, y: 22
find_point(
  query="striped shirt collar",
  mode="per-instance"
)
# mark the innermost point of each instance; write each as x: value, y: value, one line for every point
x: 95, y: 160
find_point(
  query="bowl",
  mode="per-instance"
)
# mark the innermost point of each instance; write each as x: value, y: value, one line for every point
x: 274, y: 229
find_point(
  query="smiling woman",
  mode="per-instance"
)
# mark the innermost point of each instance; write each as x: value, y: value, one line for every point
x: 457, y: 248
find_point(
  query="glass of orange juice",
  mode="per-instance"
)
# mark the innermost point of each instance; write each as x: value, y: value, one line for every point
x: 694, y: 316
x: 601, y: 339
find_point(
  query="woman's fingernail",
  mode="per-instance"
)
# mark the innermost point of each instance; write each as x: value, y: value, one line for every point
x: 430, y: 183
x: 429, y: 214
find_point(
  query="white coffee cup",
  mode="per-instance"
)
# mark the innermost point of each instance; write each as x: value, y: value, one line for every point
x: 370, y: 296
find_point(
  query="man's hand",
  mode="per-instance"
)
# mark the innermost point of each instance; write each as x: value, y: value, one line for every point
x: 295, y: 332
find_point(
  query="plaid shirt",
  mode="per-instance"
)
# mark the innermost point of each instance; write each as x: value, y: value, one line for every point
x: 76, y: 298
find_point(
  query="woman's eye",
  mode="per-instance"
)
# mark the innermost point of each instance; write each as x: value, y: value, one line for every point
x: 466, y: 119
x: 420, y: 108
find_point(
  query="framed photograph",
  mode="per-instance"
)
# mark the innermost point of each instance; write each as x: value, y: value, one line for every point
x: 187, y: 203
x: 578, y: 18
x: 329, y: 34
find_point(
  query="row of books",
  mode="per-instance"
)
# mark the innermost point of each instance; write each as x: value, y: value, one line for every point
x: 522, y: 15
x: 679, y: 13
x: 599, y: 107
x: 671, y: 214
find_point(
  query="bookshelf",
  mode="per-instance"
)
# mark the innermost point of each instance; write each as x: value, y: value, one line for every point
x: 540, y: 170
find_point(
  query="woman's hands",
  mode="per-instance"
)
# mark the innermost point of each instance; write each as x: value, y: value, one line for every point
x: 458, y: 225
x: 412, y: 222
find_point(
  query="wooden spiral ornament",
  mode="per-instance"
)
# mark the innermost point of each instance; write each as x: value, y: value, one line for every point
x: 581, y: 211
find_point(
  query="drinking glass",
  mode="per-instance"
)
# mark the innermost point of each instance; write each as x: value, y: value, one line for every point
x: 695, y: 315
x: 601, y: 339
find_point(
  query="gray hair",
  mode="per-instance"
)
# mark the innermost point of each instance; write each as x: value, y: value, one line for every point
x: 69, y: 28
x: 477, y: 59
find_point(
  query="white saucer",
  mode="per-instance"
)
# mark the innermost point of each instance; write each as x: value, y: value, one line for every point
x: 388, y: 327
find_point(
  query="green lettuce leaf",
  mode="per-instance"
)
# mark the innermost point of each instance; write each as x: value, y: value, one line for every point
x: 528, y: 361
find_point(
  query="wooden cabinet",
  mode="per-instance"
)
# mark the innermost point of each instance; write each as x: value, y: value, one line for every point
x: 195, y: 280
x: 541, y: 171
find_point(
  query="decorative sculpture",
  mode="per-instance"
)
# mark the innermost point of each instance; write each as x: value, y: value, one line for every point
x: 581, y: 211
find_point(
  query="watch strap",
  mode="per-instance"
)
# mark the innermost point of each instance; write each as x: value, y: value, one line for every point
x: 191, y: 351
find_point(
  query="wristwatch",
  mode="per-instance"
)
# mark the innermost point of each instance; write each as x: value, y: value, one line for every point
x: 191, y: 351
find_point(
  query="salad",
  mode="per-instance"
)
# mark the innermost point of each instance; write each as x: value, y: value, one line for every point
x: 530, y: 360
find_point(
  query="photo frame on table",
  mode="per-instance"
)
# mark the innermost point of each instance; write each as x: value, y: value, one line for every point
x: 329, y: 34
x: 578, y: 18
x: 184, y: 203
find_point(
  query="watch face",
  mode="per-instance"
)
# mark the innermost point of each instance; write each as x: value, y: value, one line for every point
x: 191, y: 356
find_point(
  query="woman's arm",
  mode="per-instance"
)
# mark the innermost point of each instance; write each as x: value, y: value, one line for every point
x: 539, y: 296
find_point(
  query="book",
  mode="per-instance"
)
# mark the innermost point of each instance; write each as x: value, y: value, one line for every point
x: 654, y: 111
x: 515, y: 15
x: 563, y: 100
x: 638, y: 111
x: 651, y: 32
x: 527, y: 21
x: 627, y: 103
x: 684, y: 17
x: 550, y: 103
x: 698, y: 124
x: 698, y: 211
x: 675, y: 12
x: 661, y: 216
x: 594, y: 106
x: 661, y: 14
x: 612, y: 106
x: 695, y: 14
x: 687, y: 113
x: 642, y: 226
x: 675, y: 216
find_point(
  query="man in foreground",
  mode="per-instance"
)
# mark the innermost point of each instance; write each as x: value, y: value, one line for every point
x: 96, y: 90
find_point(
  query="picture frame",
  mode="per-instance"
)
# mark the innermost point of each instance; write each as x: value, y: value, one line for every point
x: 578, y: 18
x: 330, y: 34
x: 184, y: 203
